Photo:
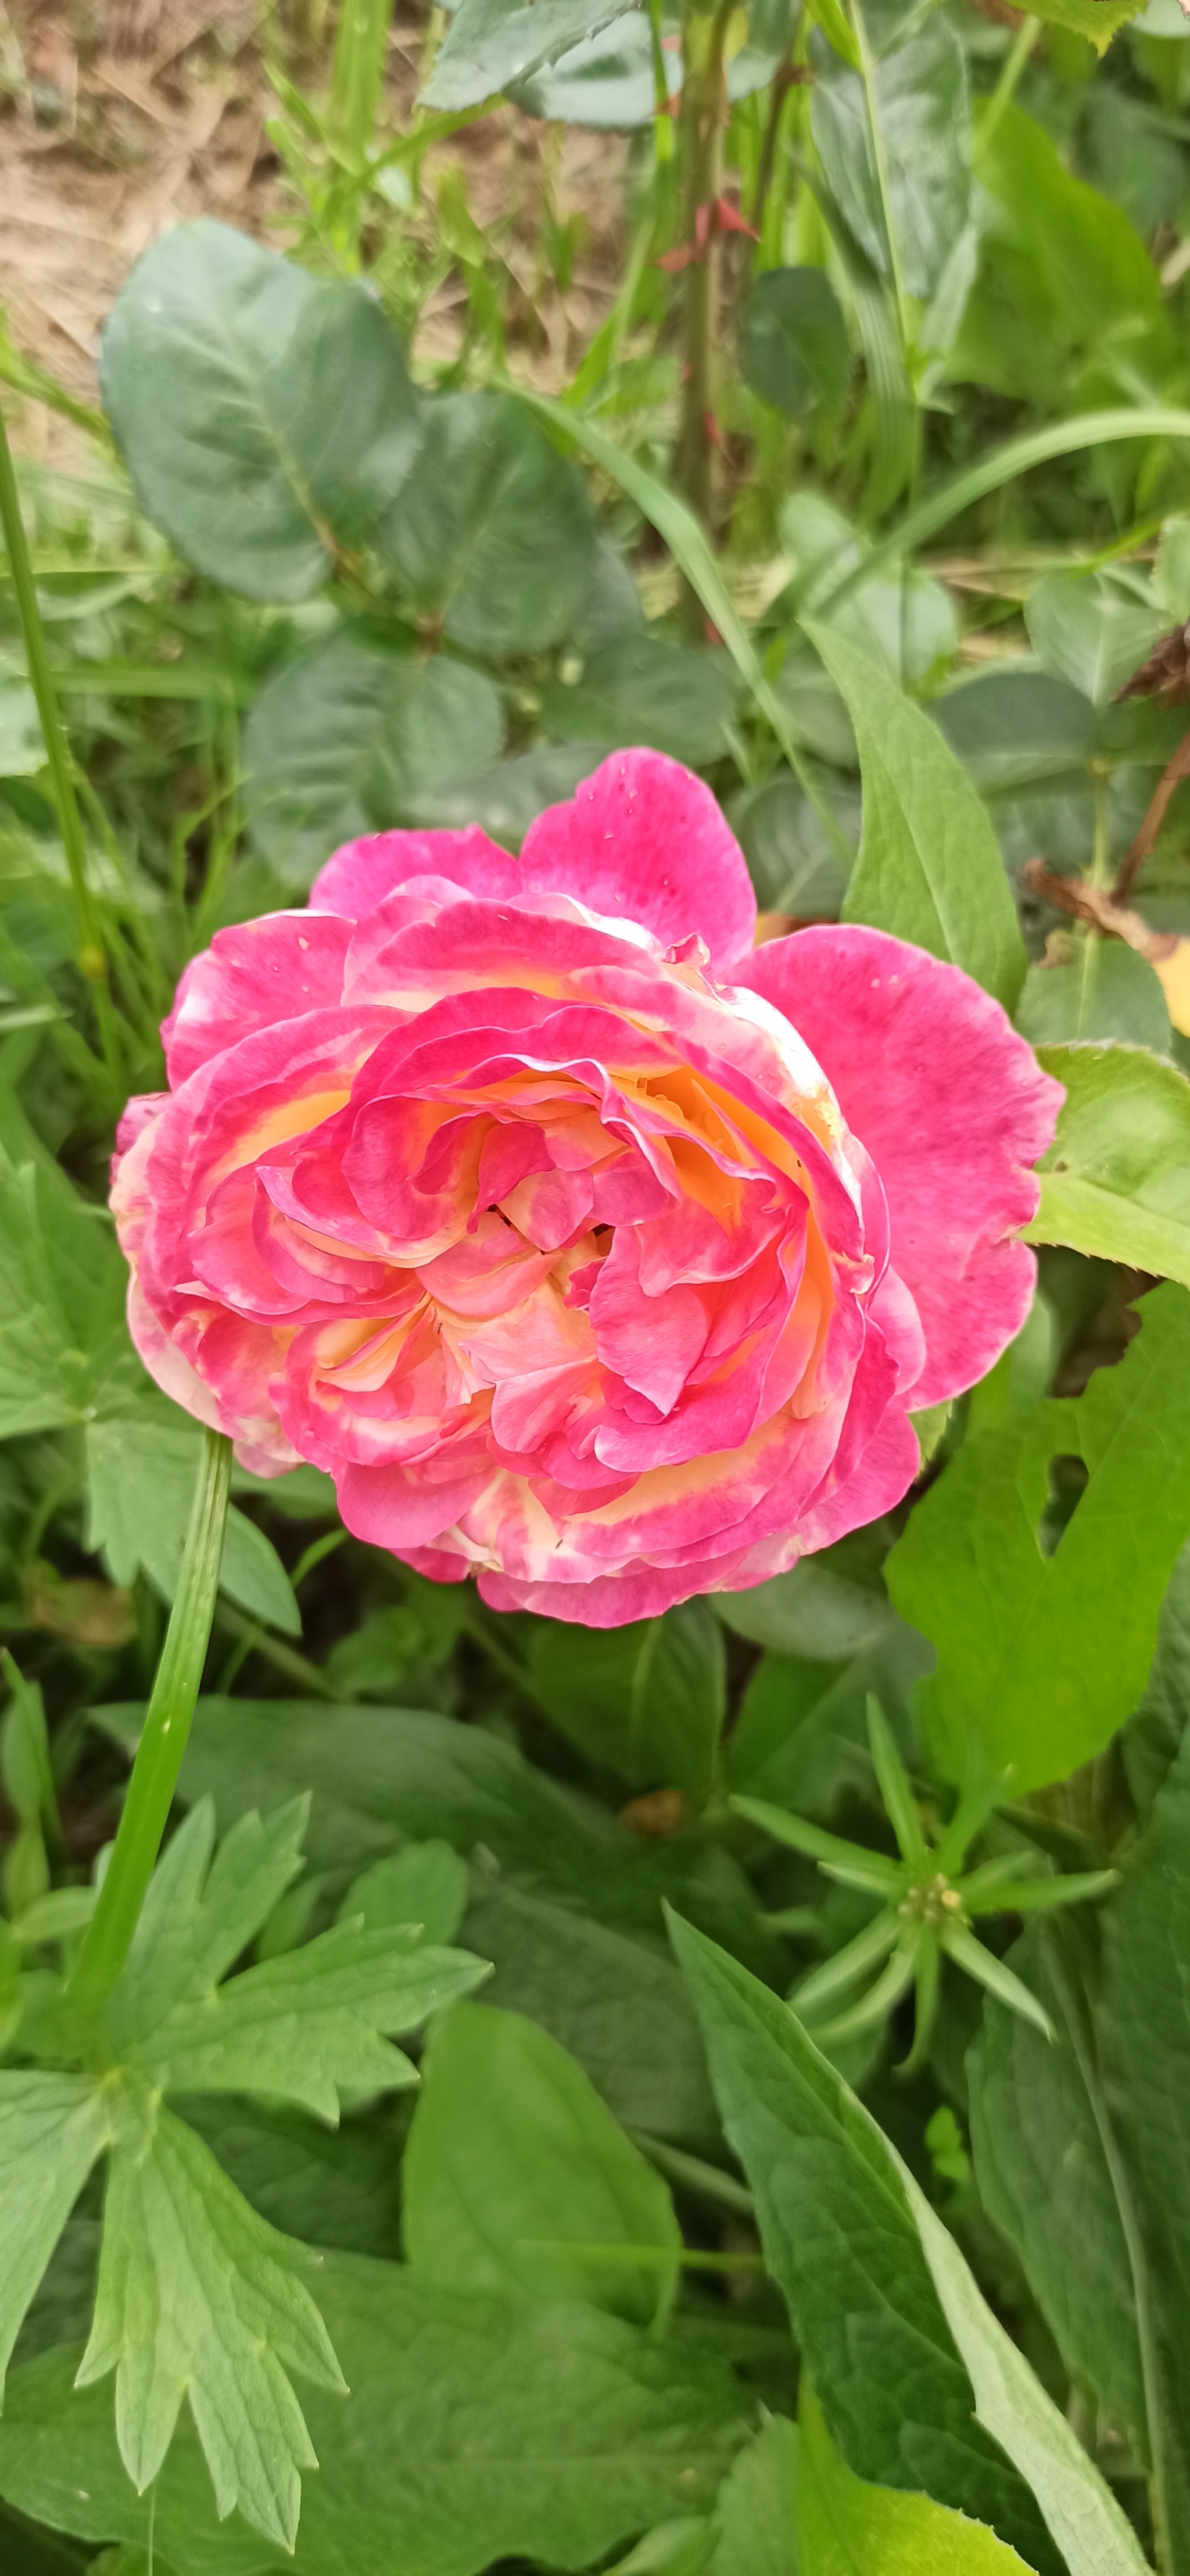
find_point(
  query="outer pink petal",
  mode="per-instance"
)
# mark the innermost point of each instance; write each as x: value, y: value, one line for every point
x: 954, y: 1110
x: 261, y: 971
x: 645, y: 841
x: 362, y: 873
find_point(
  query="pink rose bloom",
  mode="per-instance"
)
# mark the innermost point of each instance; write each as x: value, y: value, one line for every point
x: 587, y: 1249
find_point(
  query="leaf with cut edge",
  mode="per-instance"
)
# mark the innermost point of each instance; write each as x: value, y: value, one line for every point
x: 299, y: 2026
x: 1038, y: 2124
x: 929, y: 869
x: 843, y: 2248
x: 52, y: 2129
x: 893, y: 2328
x: 141, y: 1467
x: 215, y: 362
x: 541, y: 2193
x: 489, y: 44
x: 198, y: 2297
x: 476, y: 2431
x: 648, y: 1699
x: 845, y: 2527
x: 1116, y: 1180
x: 1039, y: 1659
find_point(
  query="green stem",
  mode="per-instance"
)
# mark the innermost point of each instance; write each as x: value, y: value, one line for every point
x: 1003, y: 93
x: 92, y: 956
x: 108, y: 1937
x: 704, y: 115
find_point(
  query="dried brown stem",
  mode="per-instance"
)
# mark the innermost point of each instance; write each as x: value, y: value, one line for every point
x: 1171, y: 777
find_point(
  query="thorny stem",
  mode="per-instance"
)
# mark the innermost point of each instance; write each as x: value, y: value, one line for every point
x: 92, y: 956
x: 108, y: 1937
x: 1171, y: 777
x: 704, y: 114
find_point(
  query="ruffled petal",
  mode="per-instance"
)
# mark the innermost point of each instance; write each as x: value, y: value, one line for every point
x: 262, y: 971
x: 645, y: 841
x: 954, y: 1110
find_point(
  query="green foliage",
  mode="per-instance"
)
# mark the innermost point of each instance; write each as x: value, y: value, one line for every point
x: 928, y: 866
x: 891, y: 2324
x: 216, y: 361
x: 545, y: 2194
x: 493, y: 43
x: 648, y: 1698
x: 795, y: 350
x: 493, y: 533
x: 1115, y: 1180
x: 845, y: 2527
x: 1040, y: 1658
x: 901, y: 175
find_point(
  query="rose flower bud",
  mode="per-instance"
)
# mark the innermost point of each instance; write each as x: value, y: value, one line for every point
x: 588, y: 1249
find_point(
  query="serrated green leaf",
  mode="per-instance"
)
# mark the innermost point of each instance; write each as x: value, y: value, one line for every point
x: 52, y: 2129
x: 349, y: 737
x: 843, y: 2246
x: 891, y: 2323
x: 198, y: 2298
x: 299, y: 2027
x: 1143, y: 2030
x: 1039, y: 1659
x: 1038, y: 2121
x: 846, y: 2527
x: 215, y: 362
x: 648, y: 1699
x: 477, y: 2430
x: 1109, y: 993
x: 523, y: 2197
x: 490, y: 44
x: 494, y: 532
x: 141, y: 1466
x: 928, y: 868
x: 1116, y: 1180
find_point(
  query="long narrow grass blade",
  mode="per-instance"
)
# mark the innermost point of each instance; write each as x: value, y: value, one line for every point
x: 896, y: 1788
x: 867, y: 1869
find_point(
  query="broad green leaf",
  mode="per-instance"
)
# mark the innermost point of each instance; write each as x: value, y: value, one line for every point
x: 52, y: 2128
x: 1116, y: 1180
x: 813, y: 1611
x: 329, y: 2187
x: 426, y: 1885
x: 489, y: 44
x: 908, y: 625
x: 644, y: 688
x: 1144, y: 2038
x: 801, y: 1735
x: 795, y: 347
x: 617, y: 2004
x: 198, y: 2298
x: 541, y: 2193
x: 62, y: 1290
x: 506, y: 799
x: 1097, y: 20
x: 845, y: 2527
x: 605, y: 83
x: 1093, y: 632
x: 893, y: 2328
x: 215, y: 366
x: 493, y: 533
x: 1038, y: 2125
x: 756, y: 2515
x: 1039, y: 1659
x: 842, y: 2244
x: 300, y: 2026
x: 477, y: 2430
x: 1150, y: 1744
x: 1067, y: 304
x: 928, y: 867
x: 1108, y: 992
x: 648, y: 1699
x: 344, y: 740
x: 919, y: 99
x: 383, y: 1777
x: 141, y: 1466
